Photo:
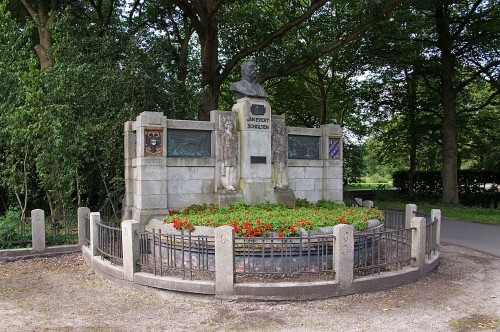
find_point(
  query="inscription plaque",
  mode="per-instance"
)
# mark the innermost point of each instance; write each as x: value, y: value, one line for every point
x: 257, y: 109
x: 303, y: 147
x: 189, y: 143
x: 258, y: 160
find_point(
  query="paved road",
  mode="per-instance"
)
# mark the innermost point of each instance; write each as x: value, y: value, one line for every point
x: 481, y: 237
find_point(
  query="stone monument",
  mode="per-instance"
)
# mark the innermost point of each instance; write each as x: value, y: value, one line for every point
x: 254, y: 124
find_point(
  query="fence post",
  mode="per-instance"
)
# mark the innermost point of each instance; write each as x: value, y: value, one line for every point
x: 418, y: 225
x: 38, y: 230
x: 411, y: 209
x: 436, y: 214
x: 368, y: 204
x: 130, y: 242
x: 83, y: 213
x: 95, y: 217
x: 224, y: 261
x: 343, y: 250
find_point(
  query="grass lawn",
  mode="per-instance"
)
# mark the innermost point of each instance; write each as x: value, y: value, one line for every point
x: 491, y: 215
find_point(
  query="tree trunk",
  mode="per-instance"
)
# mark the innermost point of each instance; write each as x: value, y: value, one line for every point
x: 210, y: 78
x: 40, y: 14
x: 448, y: 96
x: 411, y: 93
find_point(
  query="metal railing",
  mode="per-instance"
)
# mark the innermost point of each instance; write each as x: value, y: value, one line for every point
x: 394, y: 219
x: 109, y: 243
x: 382, y: 251
x: 178, y: 255
x: 17, y: 235
x: 87, y: 230
x: 306, y: 257
x: 61, y: 230
x: 111, y: 210
x: 431, y: 245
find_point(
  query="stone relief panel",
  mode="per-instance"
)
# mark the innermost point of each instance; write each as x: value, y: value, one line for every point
x: 303, y: 147
x: 227, y: 152
x: 279, y: 151
x: 189, y: 143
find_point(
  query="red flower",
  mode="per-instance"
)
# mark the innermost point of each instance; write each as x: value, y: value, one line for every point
x: 279, y: 235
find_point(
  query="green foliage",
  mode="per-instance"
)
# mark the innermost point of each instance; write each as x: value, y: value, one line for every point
x: 476, y: 188
x: 262, y: 219
x: 14, y: 232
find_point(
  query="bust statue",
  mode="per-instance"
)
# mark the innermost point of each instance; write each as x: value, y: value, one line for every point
x: 248, y: 86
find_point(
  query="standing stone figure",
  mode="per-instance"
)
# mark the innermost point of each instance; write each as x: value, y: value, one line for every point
x: 229, y: 141
x: 279, y: 153
x: 248, y: 86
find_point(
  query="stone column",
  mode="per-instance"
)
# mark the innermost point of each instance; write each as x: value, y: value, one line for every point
x: 436, y: 214
x: 224, y: 261
x: 150, y: 190
x: 130, y: 242
x: 254, y: 125
x: 129, y: 138
x: 410, y: 211
x: 331, y: 142
x: 418, y: 242
x: 38, y: 230
x: 83, y: 214
x: 95, y: 217
x: 344, y: 255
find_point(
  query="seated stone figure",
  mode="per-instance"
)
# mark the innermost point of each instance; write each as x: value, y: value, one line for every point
x: 248, y: 86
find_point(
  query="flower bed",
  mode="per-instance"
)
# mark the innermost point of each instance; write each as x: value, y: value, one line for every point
x: 264, y: 219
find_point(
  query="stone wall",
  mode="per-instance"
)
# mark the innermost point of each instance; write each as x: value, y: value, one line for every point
x: 171, y: 164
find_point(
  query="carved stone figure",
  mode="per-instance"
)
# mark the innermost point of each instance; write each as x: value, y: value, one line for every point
x: 229, y: 142
x: 248, y: 86
x: 279, y: 153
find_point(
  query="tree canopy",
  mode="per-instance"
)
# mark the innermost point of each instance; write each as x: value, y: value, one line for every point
x: 419, y: 81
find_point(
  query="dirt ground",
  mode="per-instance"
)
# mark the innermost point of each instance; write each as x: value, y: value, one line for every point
x: 63, y: 294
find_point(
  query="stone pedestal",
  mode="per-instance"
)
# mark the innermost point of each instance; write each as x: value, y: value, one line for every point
x: 254, y: 126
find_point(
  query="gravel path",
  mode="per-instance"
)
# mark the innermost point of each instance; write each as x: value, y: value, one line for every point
x: 63, y: 294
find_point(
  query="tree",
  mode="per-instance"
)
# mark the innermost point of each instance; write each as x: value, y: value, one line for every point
x: 459, y: 53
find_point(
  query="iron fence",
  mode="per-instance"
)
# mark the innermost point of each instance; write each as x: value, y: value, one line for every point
x: 177, y: 255
x: 381, y: 251
x: 394, y: 219
x: 61, y: 230
x: 17, y: 235
x: 302, y: 258
x: 87, y: 230
x: 111, y: 210
x: 109, y: 243
x: 431, y: 245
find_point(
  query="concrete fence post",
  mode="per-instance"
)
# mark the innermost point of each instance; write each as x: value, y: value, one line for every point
x: 83, y: 213
x: 418, y: 242
x: 343, y: 252
x: 130, y: 242
x: 411, y: 209
x: 38, y: 230
x: 224, y: 261
x: 95, y: 217
x: 368, y: 204
x: 436, y: 214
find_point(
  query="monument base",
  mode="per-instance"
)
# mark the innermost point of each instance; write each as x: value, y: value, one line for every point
x: 255, y: 192
x: 285, y: 196
x: 223, y: 198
